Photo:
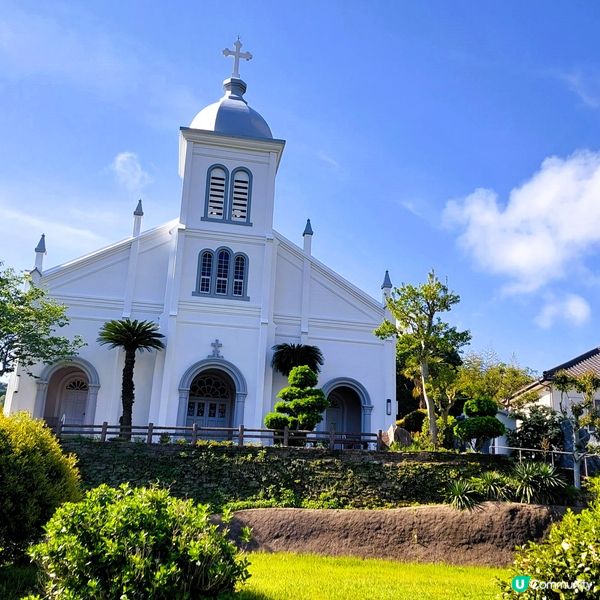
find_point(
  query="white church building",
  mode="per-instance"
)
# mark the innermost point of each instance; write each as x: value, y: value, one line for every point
x: 224, y: 287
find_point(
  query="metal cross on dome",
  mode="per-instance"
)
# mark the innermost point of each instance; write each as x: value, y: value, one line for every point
x: 236, y: 57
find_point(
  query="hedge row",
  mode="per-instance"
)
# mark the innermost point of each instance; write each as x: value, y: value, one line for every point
x: 279, y: 476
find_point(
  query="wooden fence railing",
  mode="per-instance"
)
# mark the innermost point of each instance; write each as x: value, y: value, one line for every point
x: 153, y: 434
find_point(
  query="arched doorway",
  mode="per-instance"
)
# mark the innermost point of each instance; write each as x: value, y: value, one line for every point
x: 67, y: 389
x: 344, y: 414
x: 215, y: 379
x: 67, y: 397
x: 211, y: 400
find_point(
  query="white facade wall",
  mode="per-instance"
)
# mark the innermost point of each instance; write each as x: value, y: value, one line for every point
x: 291, y: 298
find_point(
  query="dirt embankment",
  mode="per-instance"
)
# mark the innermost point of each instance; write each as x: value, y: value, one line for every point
x: 485, y: 536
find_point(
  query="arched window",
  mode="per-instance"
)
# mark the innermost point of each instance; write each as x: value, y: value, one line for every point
x: 240, y: 196
x: 216, y: 190
x: 222, y: 273
x: 239, y: 275
x: 205, y: 269
x: 223, y: 260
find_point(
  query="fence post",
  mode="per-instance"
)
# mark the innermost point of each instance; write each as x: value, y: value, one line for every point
x: 59, y: 428
x: 552, y: 457
x: 379, y: 440
x: 585, y: 467
x: 150, y: 433
x: 286, y: 436
x: 520, y: 455
x: 104, y: 431
x: 194, y: 433
x: 241, y: 435
x: 332, y: 438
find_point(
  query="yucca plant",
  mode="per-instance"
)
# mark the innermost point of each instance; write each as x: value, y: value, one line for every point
x: 287, y: 356
x: 536, y: 482
x: 131, y: 336
x: 493, y: 485
x: 462, y: 495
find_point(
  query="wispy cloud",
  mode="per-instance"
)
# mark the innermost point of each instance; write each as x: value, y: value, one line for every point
x: 572, y: 309
x: 327, y: 159
x: 129, y: 172
x: 547, y: 225
x: 113, y: 67
x: 585, y: 84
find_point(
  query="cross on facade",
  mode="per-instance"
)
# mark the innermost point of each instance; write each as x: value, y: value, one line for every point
x: 216, y: 346
x: 236, y: 57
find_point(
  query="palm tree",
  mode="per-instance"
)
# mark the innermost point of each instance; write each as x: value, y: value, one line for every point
x: 131, y: 336
x: 288, y: 356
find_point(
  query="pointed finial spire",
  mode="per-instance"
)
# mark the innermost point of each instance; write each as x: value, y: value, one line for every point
x: 387, y: 282
x: 138, y: 212
x: 41, y: 247
x: 308, y: 229
x: 237, y: 54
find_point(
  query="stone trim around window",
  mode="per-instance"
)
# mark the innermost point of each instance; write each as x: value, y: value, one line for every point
x: 209, y: 278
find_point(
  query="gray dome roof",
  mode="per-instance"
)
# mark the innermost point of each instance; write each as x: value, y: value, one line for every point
x: 231, y: 115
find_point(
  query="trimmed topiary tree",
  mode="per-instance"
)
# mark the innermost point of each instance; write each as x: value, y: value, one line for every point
x: 137, y: 543
x: 413, y: 421
x: 481, y: 424
x: 36, y: 476
x: 302, y: 404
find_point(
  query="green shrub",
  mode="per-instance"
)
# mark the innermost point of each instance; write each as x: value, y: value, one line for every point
x: 536, y: 482
x: 35, y: 478
x: 413, y: 421
x: 445, y: 431
x: 481, y: 407
x: 479, y: 429
x: 136, y: 543
x: 568, y: 554
x: 463, y: 495
x: 493, y: 485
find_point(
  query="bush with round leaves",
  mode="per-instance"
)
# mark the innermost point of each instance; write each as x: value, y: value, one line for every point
x: 36, y: 477
x: 568, y: 554
x: 137, y: 543
x: 481, y: 406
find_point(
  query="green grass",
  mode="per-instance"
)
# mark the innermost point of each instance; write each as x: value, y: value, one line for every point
x: 285, y: 576
x: 17, y: 581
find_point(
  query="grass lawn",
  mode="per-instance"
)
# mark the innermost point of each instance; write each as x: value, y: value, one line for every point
x: 310, y: 577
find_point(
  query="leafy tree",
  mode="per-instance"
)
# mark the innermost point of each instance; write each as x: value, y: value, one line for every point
x: 539, y: 428
x: 484, y: 375
x: 288, y: 356
x: 579, y: 416
x: 28, y: 321
x: 423, y: 338
x: 131, y: 336
x: 302, y: 404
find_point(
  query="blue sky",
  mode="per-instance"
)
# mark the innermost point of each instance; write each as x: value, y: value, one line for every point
x: 460, y: 136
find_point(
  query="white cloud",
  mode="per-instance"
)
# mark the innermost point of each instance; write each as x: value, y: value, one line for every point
x: 129, y: 172
x: 545, y: 229
x: 572, y: 308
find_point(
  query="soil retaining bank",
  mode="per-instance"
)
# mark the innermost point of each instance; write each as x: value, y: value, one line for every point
x: 485, y: 536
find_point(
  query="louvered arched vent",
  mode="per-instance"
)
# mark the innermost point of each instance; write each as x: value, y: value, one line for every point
x: 240, y: 195
x: 216, y: 193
